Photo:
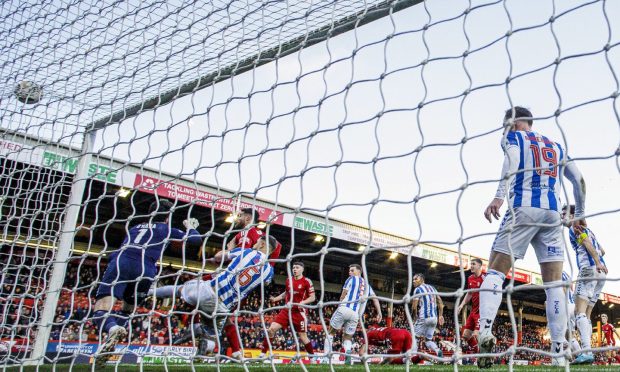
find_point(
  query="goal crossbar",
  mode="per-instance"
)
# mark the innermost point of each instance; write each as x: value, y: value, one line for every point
x: 296, y: 44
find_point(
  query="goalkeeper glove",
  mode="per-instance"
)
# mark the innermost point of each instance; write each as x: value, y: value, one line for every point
x: 191, y: 223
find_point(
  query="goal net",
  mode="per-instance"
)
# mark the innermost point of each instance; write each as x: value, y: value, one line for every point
x: 146, y: 147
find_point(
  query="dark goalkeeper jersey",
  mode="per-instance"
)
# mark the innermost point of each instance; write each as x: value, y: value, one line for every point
x: 152, y: 239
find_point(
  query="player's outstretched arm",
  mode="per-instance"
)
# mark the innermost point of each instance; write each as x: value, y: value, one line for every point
x: 231, y: 245
x: 345, y: 289
x: 363, y: 349
x: 584, y: 239
x: 311, y: 298
x: 440, y: 307
x: 219, y: 257
x: 414, y: 308
x: 493, y: 209
x: 277, y: 298
x: 464, y: 303
x: 193, y: 236
x: 509, y: 168
x: 191, y: 224
x: 378, y: 309
x: 572, y: 173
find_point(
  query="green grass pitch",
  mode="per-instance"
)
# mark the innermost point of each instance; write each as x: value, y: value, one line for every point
x: 297, y: 368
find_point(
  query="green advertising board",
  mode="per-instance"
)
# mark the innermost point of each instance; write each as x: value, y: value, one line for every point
x: 313, y: 226
x: 69, y: 165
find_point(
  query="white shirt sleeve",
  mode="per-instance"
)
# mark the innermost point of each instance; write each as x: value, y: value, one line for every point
x: 371, y: 292
x: 572, y: 173
x: 510, y: 167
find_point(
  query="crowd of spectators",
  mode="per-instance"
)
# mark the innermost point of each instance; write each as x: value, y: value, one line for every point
x: 20, y: 287
x: 169, y: 325
x: 163, y: 322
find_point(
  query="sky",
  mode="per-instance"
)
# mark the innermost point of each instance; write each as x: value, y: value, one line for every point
x: 389, y: 126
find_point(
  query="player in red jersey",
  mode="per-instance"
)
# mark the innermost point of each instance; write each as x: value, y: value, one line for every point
x: 303, y: 294
x: 398, y: 340
x: 474, y: 281
x: 247, y: 220
x: 608, y: 338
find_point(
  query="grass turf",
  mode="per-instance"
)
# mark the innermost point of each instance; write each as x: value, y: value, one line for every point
x: 296, y: 368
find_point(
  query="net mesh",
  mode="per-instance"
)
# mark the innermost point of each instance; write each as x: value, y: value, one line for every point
x: 359, y: 132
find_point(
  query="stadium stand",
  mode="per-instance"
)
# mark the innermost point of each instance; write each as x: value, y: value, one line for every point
x: 72, y: 325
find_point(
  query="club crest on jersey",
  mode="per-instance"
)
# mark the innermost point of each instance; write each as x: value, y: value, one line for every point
x: 554, y: 251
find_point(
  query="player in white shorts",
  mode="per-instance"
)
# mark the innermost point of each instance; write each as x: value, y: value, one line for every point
x: 531, y: 180
x: 353, y: 304
x: 248, y: 269
x: 427, y: 311
x: 590, y: 280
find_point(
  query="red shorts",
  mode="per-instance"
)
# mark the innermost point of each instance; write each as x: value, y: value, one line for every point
x: 400, y: 341
x: 300, y: 323
x: 611, y: 342
x: 472, y: 322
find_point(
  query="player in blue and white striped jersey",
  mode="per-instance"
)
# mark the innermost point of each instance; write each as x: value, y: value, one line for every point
x: 590, y: 280
x: 353, y: 299
x: 531, y: 179
x: 588, y: 251
x: 248, y: 269
x: 427, y: 312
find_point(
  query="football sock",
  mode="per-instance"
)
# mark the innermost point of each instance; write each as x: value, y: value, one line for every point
x: 490, y: 300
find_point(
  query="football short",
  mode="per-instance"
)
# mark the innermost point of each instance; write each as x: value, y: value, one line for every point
x: 346, y: 319
x: 120, y: 278
x: 300, y: 322
x: 539, y: 227
x: 425, y: 327
x: 590, y: 283
x: 201, y: 295
x: 472, y: 322
x: 400, y: 341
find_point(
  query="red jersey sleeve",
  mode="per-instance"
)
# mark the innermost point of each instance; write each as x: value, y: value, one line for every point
x: 275, y: 254
x: 253, y: 235
x: 248, y: 238
x: 287, y: 291
x: 309, y: 287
